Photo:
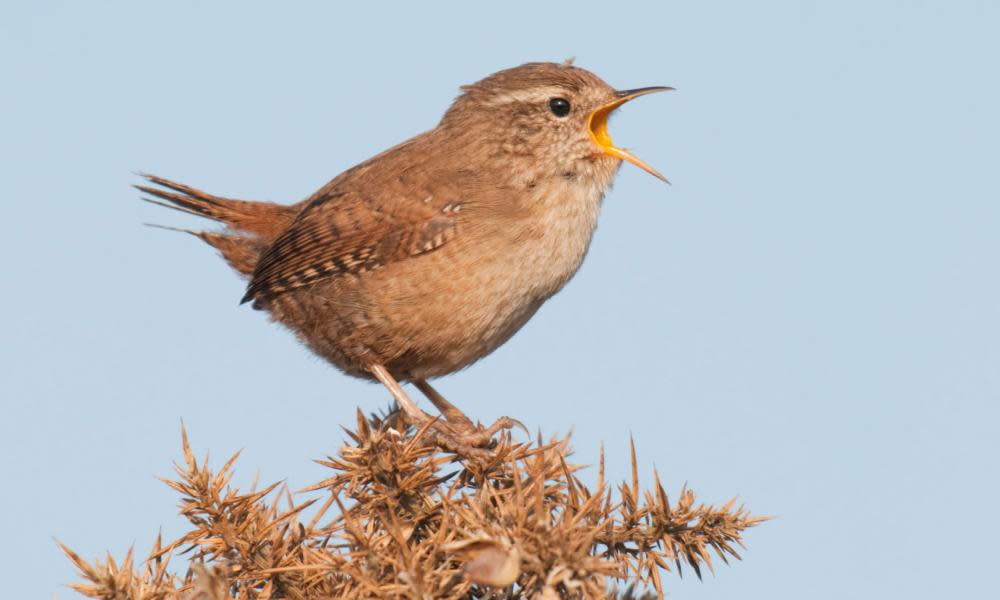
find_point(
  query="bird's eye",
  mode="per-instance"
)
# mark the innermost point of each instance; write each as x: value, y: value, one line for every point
x: 559, y: 106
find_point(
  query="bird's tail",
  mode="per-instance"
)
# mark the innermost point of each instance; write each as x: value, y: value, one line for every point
x: 252, y: 226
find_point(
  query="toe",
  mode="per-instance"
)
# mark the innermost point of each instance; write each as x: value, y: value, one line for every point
x: 505, y: 423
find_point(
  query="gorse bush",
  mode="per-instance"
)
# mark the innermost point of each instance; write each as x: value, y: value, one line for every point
x: 398, y: 518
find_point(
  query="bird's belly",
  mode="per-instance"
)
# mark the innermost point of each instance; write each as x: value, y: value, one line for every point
x: 420, y: 324
x: 431, y: 315
x: 446, y: 323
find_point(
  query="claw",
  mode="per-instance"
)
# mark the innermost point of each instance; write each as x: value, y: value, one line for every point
x: 505, y: 423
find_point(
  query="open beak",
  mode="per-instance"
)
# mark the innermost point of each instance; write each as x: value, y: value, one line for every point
x: 597, y: 124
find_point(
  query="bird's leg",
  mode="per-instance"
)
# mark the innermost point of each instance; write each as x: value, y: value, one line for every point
x: 448, y: 410
x: 475, y: 434
x: 413, y: 413
x: 465, y: 442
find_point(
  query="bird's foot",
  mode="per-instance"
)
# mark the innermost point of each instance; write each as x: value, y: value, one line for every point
x: 456, y: 433
x: 467, y: 440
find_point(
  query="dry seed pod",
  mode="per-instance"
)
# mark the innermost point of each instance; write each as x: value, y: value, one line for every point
x: 489, y: 562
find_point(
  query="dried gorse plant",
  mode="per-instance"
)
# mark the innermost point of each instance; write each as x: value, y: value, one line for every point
x: 398, y: 518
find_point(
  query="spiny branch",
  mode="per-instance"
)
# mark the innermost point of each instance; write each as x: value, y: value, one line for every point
x: 400, y: 520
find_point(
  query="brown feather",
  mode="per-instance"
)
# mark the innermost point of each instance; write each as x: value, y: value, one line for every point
x: 253, y: 226
x: 349, y: 233
x: 262, y: 219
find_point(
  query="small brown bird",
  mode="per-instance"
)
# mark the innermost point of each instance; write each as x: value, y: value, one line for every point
x: 427, y: 257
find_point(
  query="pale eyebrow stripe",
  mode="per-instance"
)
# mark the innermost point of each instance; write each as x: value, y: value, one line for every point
x: 534, y: 94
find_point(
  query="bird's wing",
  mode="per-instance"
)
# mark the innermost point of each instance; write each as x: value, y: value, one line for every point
x: 351, y: 232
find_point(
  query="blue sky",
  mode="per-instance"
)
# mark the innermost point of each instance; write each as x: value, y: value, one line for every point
x: 808, y: 318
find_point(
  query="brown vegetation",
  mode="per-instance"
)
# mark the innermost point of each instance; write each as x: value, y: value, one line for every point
x: 400, y: 519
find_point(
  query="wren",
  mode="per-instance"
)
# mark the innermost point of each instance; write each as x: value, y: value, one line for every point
x: 427, y: 257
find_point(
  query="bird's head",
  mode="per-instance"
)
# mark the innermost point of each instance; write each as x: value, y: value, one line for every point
x: 553, y: 117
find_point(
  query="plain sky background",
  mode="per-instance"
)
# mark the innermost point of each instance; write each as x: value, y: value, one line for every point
x: 808, y: 318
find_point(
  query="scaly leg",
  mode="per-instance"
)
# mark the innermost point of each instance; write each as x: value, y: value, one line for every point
x: 464, y: 441
x: 458, y: 419
x: 447, y: 409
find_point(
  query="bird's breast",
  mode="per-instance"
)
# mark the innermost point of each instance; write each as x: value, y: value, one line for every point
x: 549, y: 245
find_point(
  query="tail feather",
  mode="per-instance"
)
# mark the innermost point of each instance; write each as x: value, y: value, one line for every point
x: 241, y: 252
x: 252, y: 226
